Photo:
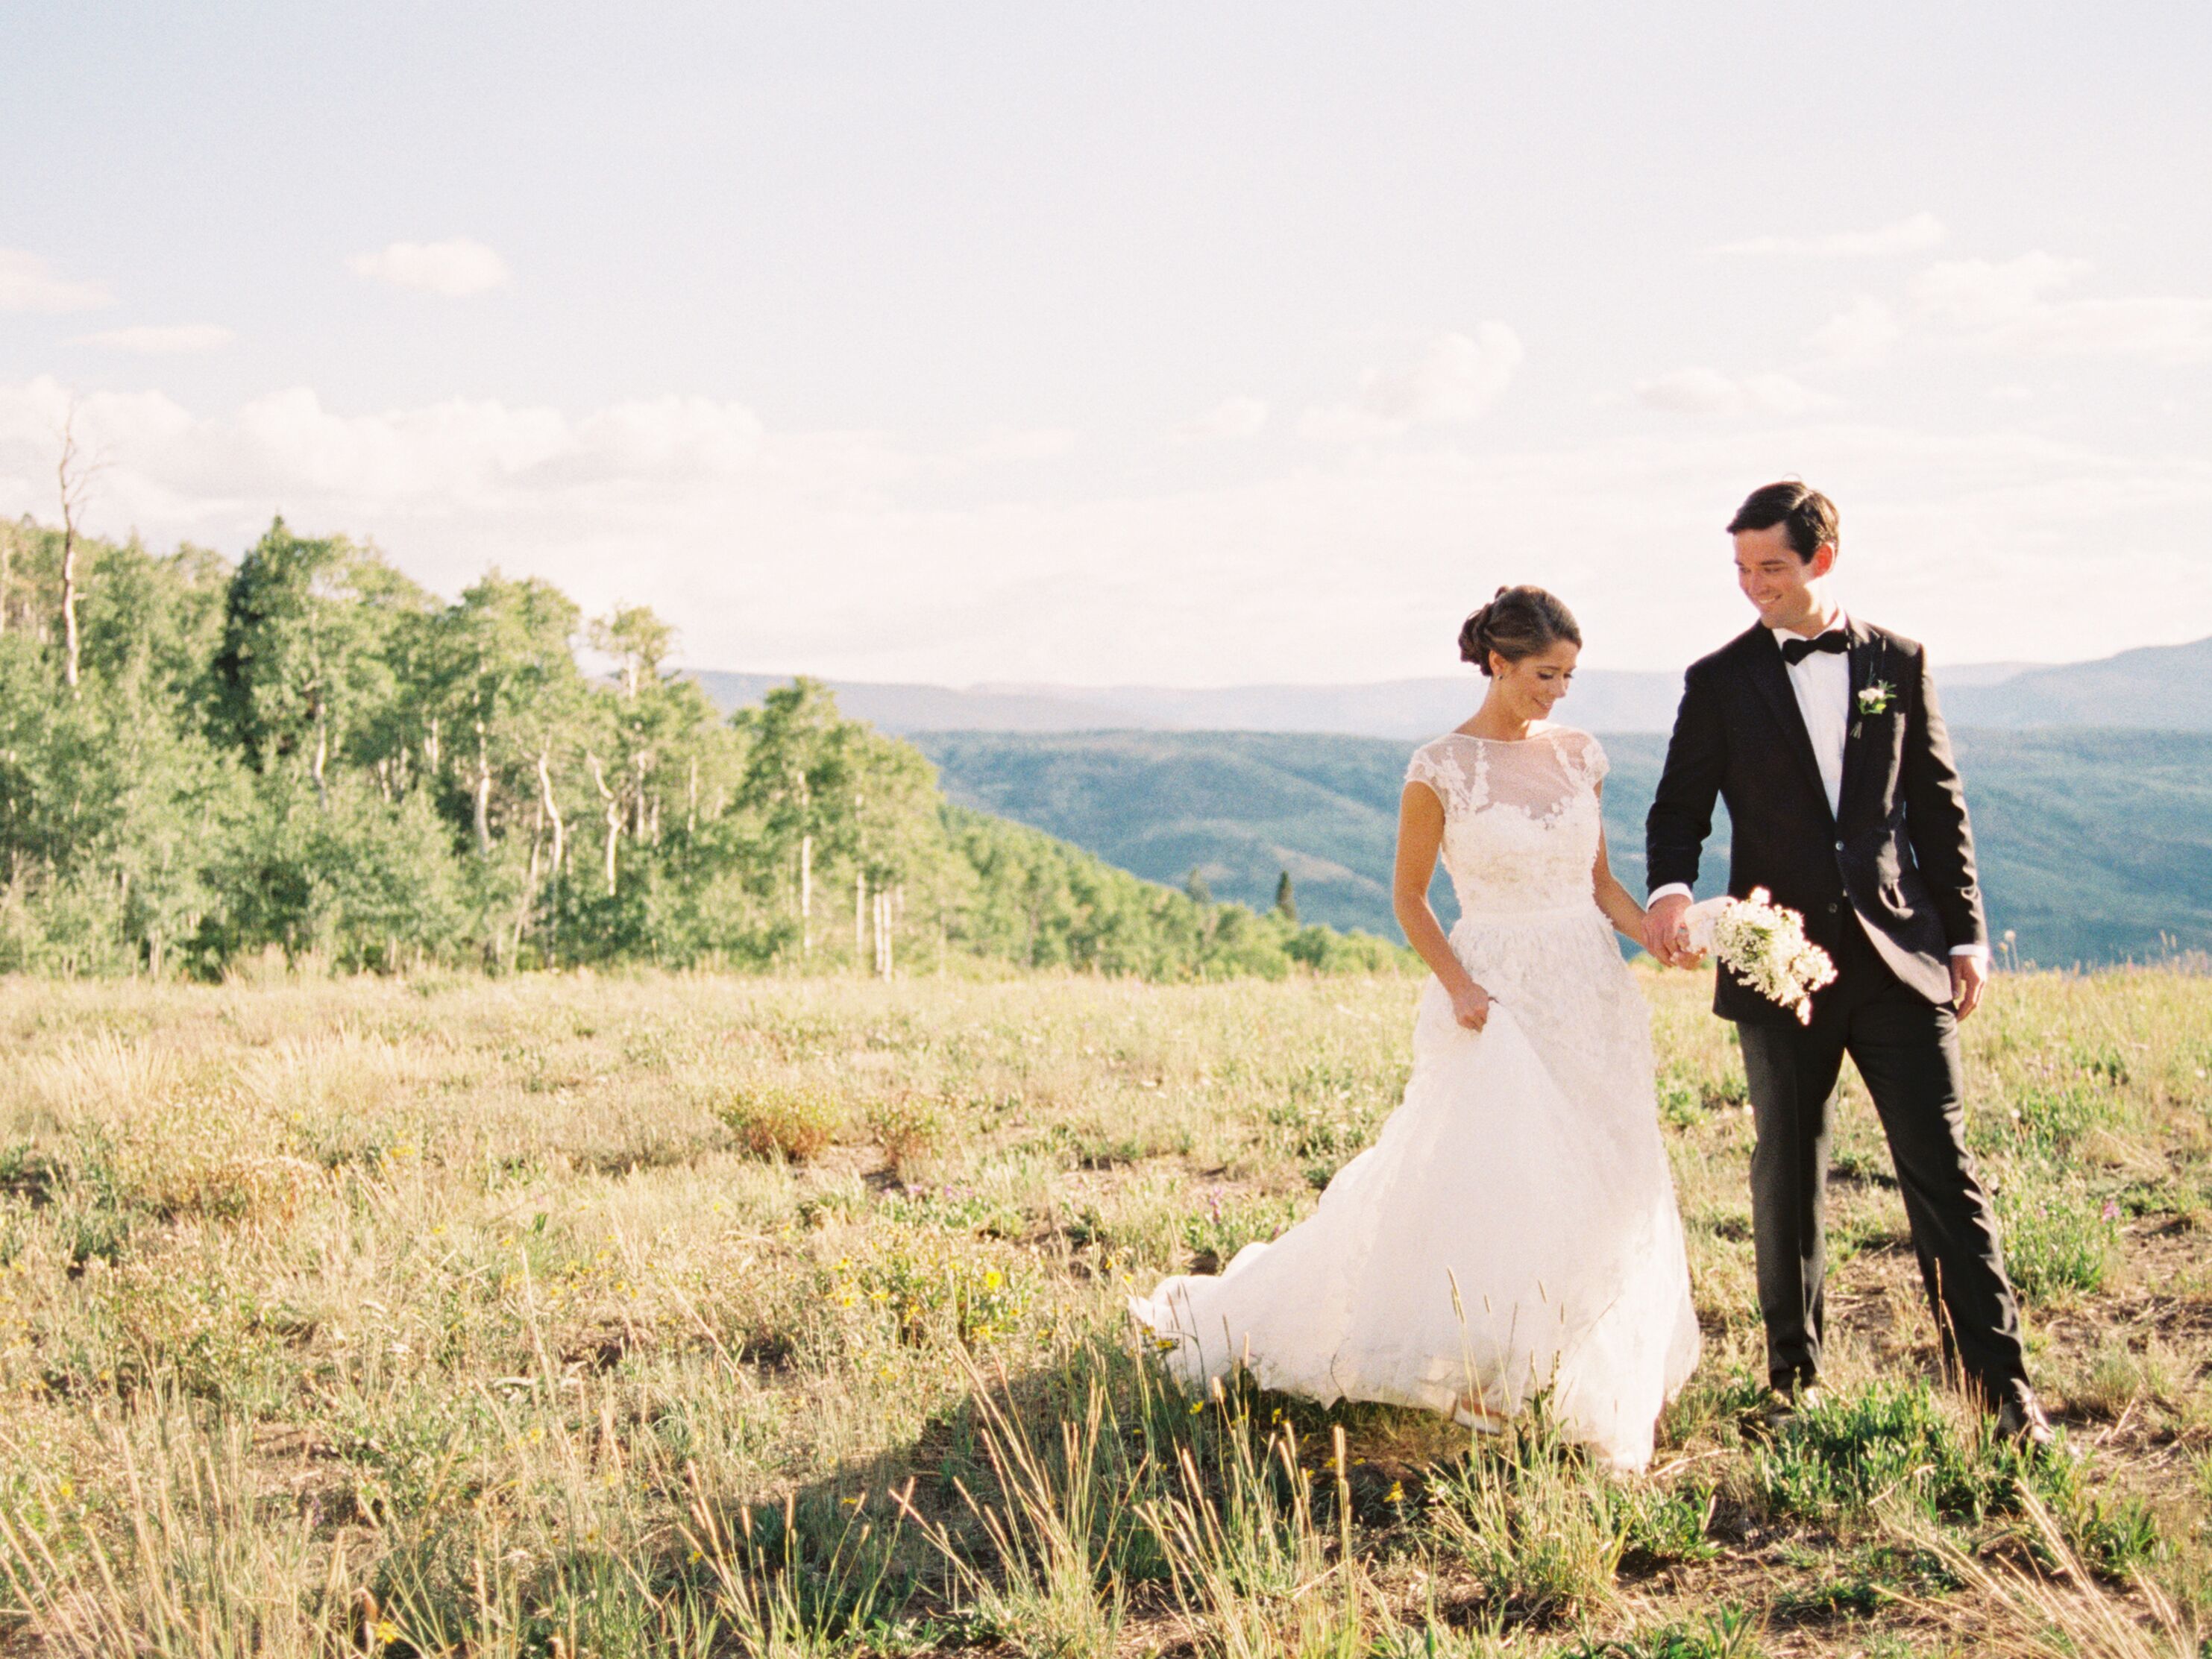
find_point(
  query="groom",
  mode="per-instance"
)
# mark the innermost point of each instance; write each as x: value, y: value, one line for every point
x: 1821, y: 733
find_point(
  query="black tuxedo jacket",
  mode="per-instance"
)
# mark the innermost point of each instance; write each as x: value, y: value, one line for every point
x: 1898, y: 854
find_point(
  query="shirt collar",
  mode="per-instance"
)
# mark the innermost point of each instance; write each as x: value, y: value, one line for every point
x: 1842, y: 622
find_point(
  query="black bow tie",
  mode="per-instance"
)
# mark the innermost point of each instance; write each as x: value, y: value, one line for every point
x: 1794, y: 651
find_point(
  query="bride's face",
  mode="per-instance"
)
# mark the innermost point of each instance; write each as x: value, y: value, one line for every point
x: 1529, y: 687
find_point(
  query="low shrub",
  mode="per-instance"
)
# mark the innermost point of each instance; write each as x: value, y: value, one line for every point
x: 907, y: 1127
x: 792, y: 1122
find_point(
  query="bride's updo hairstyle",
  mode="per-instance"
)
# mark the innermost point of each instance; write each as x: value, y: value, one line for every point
x: 1517, y: 623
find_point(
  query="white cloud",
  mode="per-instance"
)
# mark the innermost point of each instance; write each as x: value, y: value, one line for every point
x: 1861, y: 333
x: 1980, y: 294
x: 2022, y: 306
x: 2173, y: 329
x: 1709, y: 391
x: 460, y: 459
x: 845, y: 553
x: 1456, y: 378
x: 1922, y: 230
x: 1232, y: 417
x: 158, y: 340
x: 29, y: 283
x: 1022, y: 444
x: 456, y: 268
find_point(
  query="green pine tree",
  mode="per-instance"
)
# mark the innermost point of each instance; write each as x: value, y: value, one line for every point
x: 1286, y: 901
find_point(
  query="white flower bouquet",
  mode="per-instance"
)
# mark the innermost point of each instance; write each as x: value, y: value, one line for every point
x: 1763, y: 944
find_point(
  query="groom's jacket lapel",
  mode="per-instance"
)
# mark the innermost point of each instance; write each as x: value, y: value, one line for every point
x: 1866, y: 657
x: 1771, y: 675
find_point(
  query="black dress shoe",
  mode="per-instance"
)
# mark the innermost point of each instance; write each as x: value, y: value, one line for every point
x: 1780, y: 1404
x: 2022, y: 1422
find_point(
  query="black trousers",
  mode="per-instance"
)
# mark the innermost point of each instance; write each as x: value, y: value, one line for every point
x: 1906, y: 1050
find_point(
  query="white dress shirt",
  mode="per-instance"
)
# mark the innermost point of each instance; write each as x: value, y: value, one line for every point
x: 1822, y: 682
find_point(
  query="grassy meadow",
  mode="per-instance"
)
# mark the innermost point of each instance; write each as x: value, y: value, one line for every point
x: 615, y: 1316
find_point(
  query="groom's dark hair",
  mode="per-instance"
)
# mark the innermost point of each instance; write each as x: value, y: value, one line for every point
x: 1810, y: 516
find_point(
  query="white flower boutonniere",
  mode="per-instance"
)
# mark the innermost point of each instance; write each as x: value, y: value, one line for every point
x: 1876, y: 698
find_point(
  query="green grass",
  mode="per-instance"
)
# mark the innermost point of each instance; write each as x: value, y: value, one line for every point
x: 646, y: 1316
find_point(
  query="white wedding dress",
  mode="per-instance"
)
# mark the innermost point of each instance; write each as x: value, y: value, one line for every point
x: 1513, y: 1228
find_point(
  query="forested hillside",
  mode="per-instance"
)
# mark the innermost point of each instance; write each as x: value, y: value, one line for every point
x: 2095, y: 845
x: 306, y: 753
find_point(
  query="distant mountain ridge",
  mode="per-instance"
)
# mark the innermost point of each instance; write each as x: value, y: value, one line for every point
x: 2094, y: 846
x: 2163, y: 687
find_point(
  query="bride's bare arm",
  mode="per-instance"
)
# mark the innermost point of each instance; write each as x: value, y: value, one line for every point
x: 1420, y: 833
x: 1618, y: 904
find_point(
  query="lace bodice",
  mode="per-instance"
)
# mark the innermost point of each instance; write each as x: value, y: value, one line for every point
x: 1521, y: 819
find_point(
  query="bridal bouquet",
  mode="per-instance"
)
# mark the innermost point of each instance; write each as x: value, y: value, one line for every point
x: 1763, y: 944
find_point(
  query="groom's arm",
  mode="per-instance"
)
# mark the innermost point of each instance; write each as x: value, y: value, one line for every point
x: 1681, y: 815
x: 1935, y: 821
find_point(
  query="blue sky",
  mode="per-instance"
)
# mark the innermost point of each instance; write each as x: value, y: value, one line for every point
x: 1159, y: 343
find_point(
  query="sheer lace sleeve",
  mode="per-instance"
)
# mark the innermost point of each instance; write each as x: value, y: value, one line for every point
x: 1589, y: 757
x: 1427, y: 767
x: 1436, y: 765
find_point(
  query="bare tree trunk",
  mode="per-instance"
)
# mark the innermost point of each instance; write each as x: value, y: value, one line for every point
x: 559, y: 862
x: 859, y: 914
x: 529, y: 898
x: 69, y: 608
x: 614, y: 806
x: 430, y: 745
x: 805, y: 894
x: 537, y: 840
x: 322, y: 757
x: 691, y: 801
x: 75, y: 479
x: 73, y: 474
x: 482, y: 791
x: 552, y: 808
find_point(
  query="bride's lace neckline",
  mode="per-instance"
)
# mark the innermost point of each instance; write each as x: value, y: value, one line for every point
x: 1538, y: 729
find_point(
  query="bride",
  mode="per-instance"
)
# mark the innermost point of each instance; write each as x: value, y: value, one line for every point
x: 1513, y: 1228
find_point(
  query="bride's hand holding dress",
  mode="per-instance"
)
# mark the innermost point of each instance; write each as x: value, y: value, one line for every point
x: 1470, y: 1006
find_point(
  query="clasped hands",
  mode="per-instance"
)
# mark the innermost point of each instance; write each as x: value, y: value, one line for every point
x: 1666, y: 936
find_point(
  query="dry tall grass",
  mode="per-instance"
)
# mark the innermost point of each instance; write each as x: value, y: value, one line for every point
x: 704, y: 1315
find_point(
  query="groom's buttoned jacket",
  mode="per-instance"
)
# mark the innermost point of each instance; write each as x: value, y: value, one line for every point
x: 1897, y: 850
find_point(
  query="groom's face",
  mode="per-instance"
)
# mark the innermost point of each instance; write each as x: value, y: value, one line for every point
x: 1775, y: 580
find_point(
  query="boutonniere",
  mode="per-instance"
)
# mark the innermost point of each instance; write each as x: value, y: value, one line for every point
x: 1876, y: 698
